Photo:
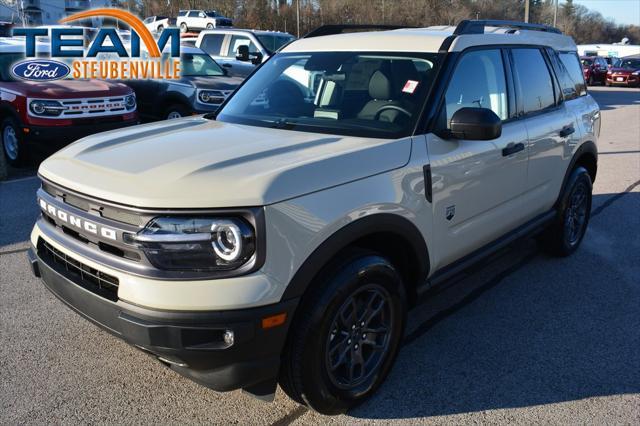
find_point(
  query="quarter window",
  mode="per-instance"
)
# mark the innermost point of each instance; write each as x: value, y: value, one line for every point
x: 478, y: 81
x: 534, y: 80
x: 567, y: 85
x: 571, y: 63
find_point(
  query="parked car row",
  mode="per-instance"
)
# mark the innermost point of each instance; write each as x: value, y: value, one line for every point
x: 611, y: 71
x: 189, y: 20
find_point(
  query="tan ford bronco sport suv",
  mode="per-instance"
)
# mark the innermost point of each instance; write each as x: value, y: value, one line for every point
x: 283, y: 239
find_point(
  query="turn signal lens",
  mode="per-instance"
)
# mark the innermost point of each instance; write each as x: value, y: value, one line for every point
x: 274, y: 320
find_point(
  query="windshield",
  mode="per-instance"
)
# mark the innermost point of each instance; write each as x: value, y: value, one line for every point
x: 376, y: 95
x: 629, y: 63
x: 194, y: 65
x: 273, y: 42
x: 586, y: 62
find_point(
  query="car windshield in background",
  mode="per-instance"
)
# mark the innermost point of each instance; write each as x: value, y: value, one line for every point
x: 378, y: 95
x: 6, y: 63
x: 586, y: 62
x: 194, y: 65
x: 631, y: 64
x: 273, y: 42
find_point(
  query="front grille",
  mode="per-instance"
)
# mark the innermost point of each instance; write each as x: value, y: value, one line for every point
x: 104, y: 285
x: 108, y: 212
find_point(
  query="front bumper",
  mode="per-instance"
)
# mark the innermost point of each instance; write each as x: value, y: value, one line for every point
x: 191, y: 343
x: 628, y: 80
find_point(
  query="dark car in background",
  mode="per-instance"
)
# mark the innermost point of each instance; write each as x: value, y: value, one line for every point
x: 626, y: 72
x: 594, y: 69
x: 203, y: 87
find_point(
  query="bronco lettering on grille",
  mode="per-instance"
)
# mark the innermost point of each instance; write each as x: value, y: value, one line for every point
x: 78, y: 222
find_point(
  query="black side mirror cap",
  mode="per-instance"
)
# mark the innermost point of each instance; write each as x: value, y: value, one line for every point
x: 257, y: 58
x: 243, y: 53
x: 475, y: 124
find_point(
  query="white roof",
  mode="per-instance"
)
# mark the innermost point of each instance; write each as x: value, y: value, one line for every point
x: 427, y: 40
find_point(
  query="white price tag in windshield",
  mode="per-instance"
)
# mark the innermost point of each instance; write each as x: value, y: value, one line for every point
x: 410, y: 86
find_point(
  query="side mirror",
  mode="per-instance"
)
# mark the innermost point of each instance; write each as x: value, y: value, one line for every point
x: 475, y: 124
x: 257, y: 58
x: 243, y: 53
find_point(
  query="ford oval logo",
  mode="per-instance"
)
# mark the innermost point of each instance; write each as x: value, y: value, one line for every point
x: 40, y: 70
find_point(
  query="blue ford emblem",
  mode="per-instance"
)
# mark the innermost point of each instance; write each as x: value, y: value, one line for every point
x: 40, y: 70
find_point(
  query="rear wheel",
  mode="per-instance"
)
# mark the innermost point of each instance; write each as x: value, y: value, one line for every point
x: 209, y: 26
x: 343, y: 347
x: 564, y: 236
x: 12, y: 142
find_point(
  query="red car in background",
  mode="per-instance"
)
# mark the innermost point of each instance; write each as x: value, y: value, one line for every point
x: 626, y: 72
x: 594, y: 69
x: 55, y: 113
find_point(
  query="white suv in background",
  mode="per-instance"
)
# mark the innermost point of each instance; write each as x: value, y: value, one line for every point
x: 240, y: 50
x: 201, y: 19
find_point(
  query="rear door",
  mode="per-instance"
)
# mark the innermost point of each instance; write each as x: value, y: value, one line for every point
x: 477, y: 185
x: 551, y: 126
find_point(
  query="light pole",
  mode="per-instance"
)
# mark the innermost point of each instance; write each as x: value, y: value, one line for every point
x: 526, y: 11
x: 555, y: 14
x: 298, y: 16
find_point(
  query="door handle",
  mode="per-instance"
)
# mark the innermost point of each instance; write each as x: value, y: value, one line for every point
x: 227, y: 65
x: 567, y: 131
x: 512, y: 148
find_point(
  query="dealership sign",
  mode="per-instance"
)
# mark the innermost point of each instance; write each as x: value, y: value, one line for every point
x: 106, y: 57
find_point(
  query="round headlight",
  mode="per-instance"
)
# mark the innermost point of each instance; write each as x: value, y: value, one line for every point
x: 130, y: 101
x: 227, y: 240
x: 38, y: 107
x: 204, y: 96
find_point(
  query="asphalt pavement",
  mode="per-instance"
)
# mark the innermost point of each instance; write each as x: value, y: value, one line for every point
x: 525, y: 338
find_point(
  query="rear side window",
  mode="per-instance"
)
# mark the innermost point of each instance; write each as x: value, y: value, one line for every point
x: 478, y: 82
x: 572, y: 64
x: 237, y: 41
x: 212, y: 44
x: 533, y: 79
x: 567, y: 86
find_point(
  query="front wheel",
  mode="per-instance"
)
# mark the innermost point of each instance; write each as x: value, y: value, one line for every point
x: 12, y: 142
x: 591, y: 81
x: 564, y: 236
x: 183, y: 28
x: 175, y: 111
x: 345, y: 343
x: 160, y: 29
x: 210, y: 26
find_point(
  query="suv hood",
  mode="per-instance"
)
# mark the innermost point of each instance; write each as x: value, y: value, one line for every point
x: 199, y: 163
x: 220, y: 83
x: 70, y: 89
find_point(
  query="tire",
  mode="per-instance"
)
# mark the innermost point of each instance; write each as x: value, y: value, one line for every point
x: 359, y: 278
x: 564, y: 236
x: 175, y: 111
x: 184, y: 28
x: 591, y: 81
x: 210, y: 26
x: 606, y: 83
x: 12, y: 146
x: 160, y: 29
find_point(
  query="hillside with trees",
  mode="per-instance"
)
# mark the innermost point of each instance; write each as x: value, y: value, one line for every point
x: 584, y: 25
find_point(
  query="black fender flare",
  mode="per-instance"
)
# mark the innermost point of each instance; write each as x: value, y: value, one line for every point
x: 588, y: 147
x: 352, y: 232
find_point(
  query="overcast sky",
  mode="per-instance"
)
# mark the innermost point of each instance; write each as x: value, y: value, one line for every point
x: 622, y: 11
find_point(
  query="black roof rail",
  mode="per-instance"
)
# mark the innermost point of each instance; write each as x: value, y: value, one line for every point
x: 340, y: 29
x: 469, y: 26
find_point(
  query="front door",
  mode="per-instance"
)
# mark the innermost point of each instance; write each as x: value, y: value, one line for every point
x: 477, y: 185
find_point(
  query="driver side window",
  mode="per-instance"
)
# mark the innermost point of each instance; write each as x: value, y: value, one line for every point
x: 478, y: 81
